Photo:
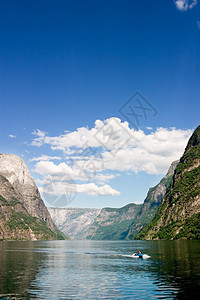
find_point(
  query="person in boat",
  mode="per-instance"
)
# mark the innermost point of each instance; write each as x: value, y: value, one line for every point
x: 139, y: 254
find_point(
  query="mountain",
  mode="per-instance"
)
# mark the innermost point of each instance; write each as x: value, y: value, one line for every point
x: 151, y: 203
x: 178, y: 215
x: 111, y: 223
x: 98, y: 224
x: 23, y: 214
x: 74, y: 222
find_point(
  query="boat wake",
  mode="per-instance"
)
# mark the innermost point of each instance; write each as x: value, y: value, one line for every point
x: 144, y: 256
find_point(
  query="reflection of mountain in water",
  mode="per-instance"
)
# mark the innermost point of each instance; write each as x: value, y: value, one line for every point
x: 178, y: 264
x: 19, y: 265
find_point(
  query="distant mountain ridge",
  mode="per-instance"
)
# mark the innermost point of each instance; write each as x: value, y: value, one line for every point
x: 178, y: 215
x: 23, y: 214
x: 97, y: 224
x: 111, y: 223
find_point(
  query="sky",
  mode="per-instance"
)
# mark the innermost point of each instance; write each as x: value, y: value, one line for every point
x: 98, y: 97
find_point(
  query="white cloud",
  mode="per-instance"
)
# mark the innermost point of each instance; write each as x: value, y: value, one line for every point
x: 58, y: 179
x: 184, y: 5
x: 198, y: 24
x: 62, y: 170
x: 48, y: 167
x: 110, y: 132
x: 12, y: 136
x: 105, y: 177
x: 40, y: 135
x: 45, y: 158
x: 92, y: 189
x: 121, y: 148
x: 59, y: 188
x: 151, y: 153
x: 97, y: 155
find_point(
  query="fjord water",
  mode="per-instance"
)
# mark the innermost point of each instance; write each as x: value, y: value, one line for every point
x: 99, y: 270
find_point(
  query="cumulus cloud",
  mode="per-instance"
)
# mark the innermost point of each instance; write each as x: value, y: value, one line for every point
x: 48, y: 167
x: 185, y: 5
x: 45, y: 157
x: 92, y: 189
x: 77, y: 172
x: 12, y: 136
x: 113, y: 145
x: 107, y: 134
x: 95, y: 156
x: 63, y: 187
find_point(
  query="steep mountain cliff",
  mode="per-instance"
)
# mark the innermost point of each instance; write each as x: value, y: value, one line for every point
x: 151, y: 203
x: 23, y: 214
x: 74, y: 222
x: 178, y: 215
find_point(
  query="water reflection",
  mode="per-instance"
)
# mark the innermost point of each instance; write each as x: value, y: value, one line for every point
x: 177, y: 264
x: 19, y: 265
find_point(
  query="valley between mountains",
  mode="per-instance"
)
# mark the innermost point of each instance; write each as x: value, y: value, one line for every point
x: 171, y: 209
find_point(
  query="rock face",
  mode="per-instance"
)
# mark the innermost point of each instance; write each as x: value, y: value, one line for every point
x: 178, y: 215
x: 21, y: 205
x: 111, y: 223
x: 74, y: 222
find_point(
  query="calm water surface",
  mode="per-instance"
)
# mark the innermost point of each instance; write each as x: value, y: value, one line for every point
x: 99, y: 270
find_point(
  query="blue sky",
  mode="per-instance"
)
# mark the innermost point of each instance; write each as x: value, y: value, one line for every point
x: 67, y: 68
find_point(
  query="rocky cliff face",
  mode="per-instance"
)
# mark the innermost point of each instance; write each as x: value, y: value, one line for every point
x: 74, y: 222
x: 21, y: 204
x: 178, y: 215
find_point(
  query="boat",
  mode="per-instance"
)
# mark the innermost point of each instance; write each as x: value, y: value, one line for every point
x: 144, y: 256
